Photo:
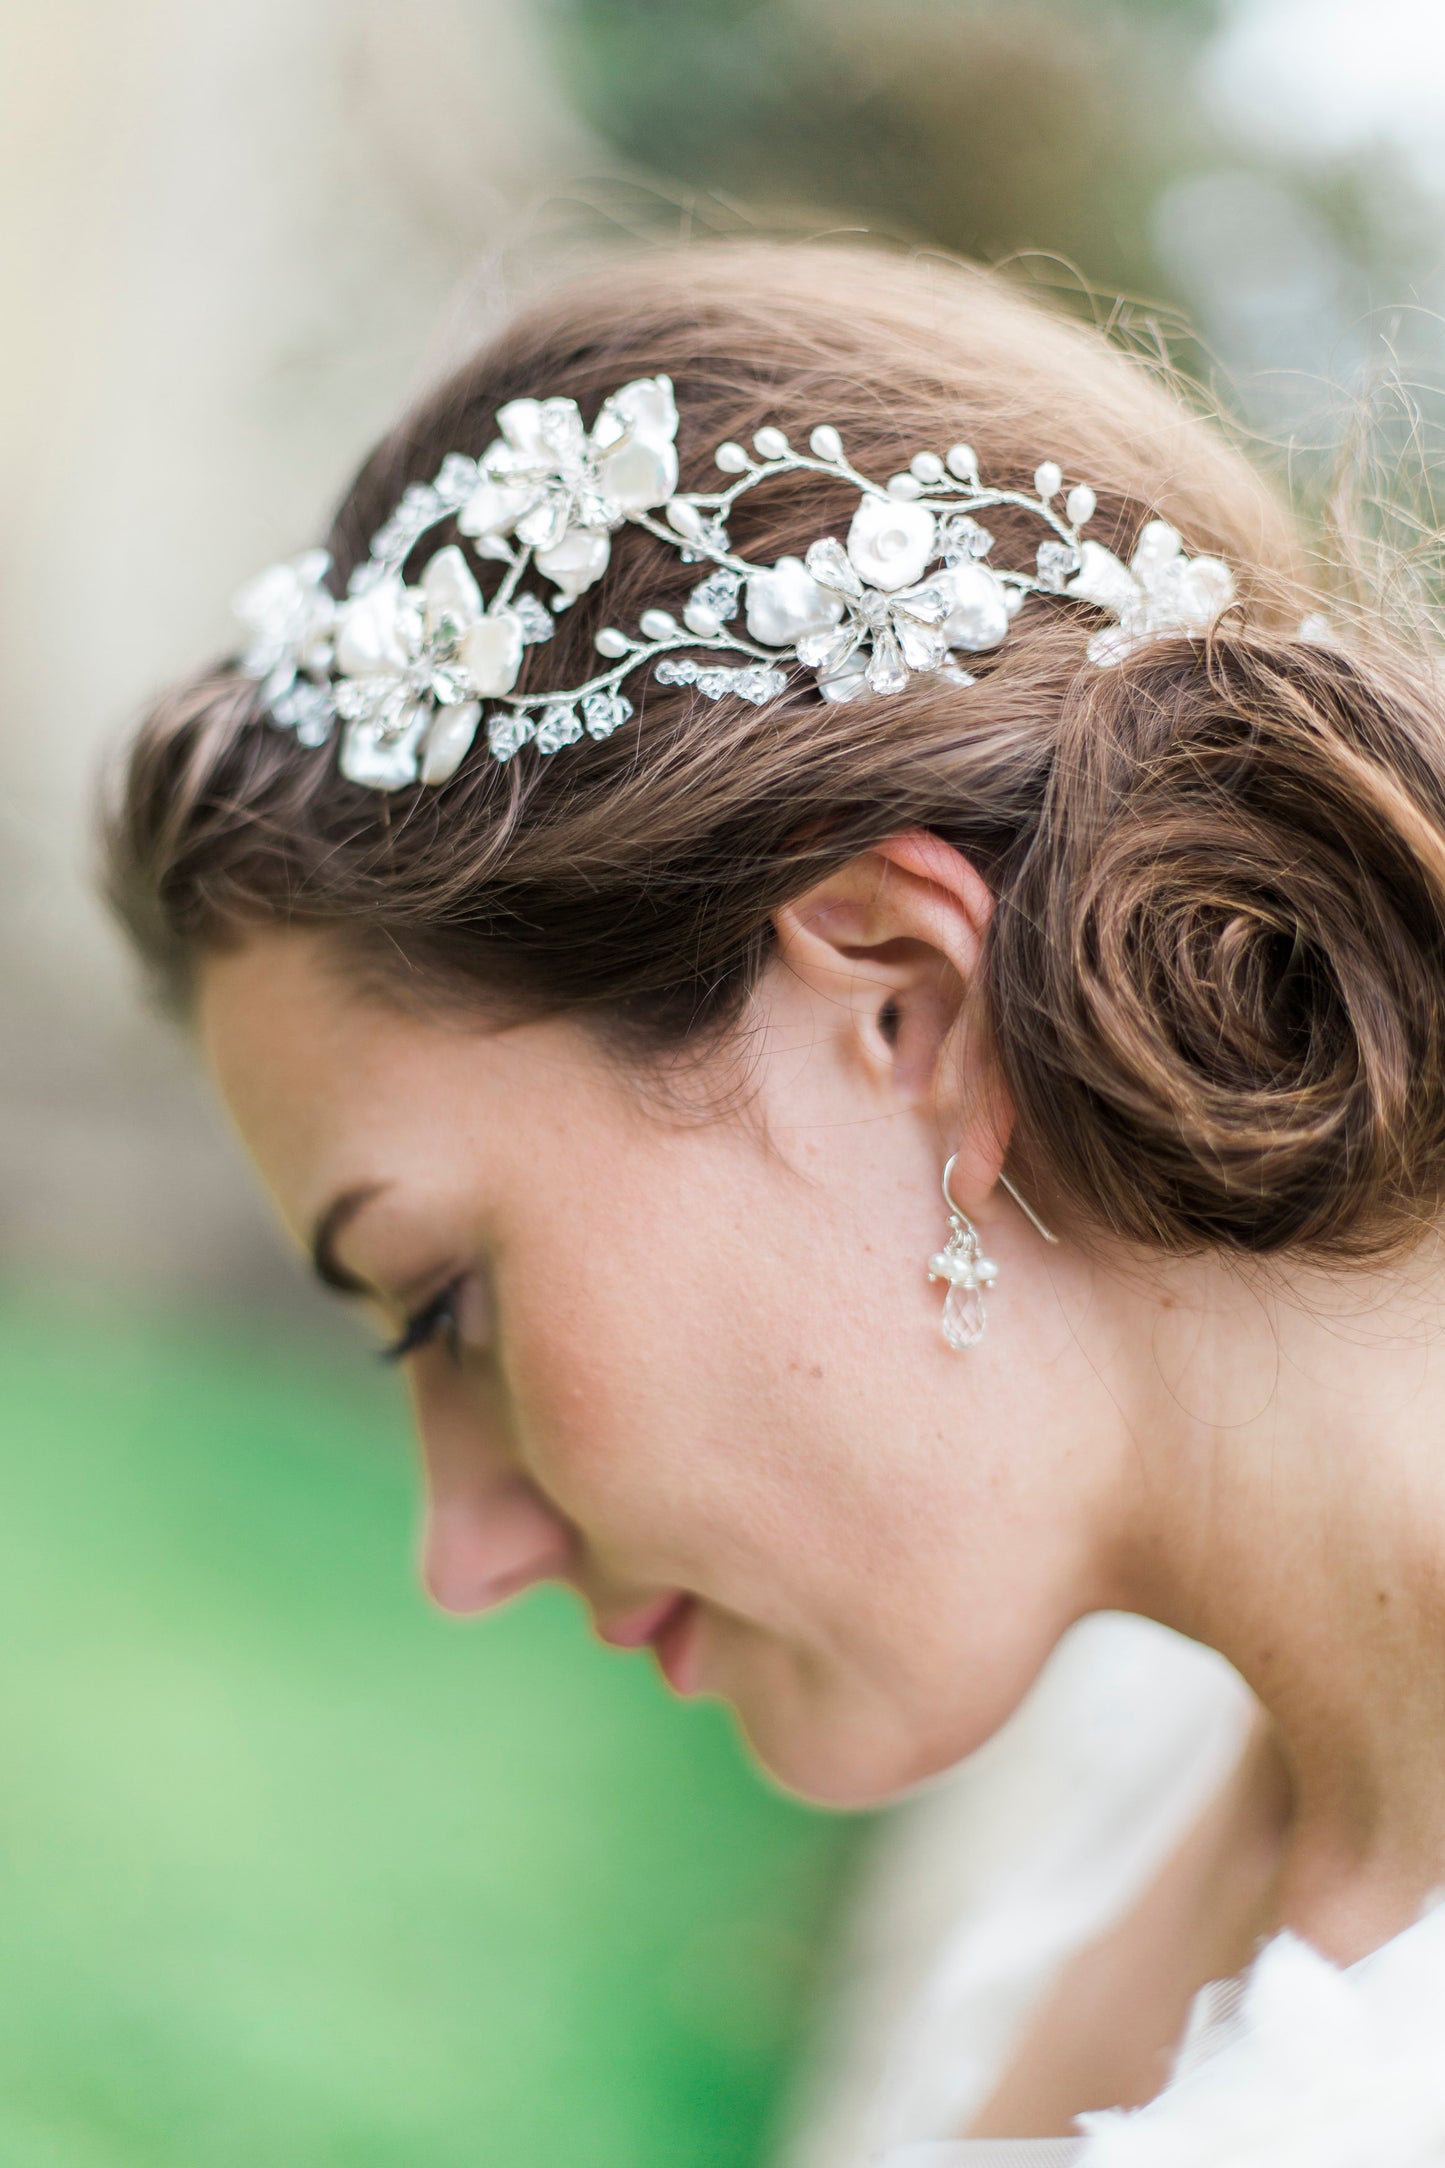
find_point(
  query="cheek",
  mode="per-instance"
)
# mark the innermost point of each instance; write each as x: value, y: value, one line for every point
x: 659, y: 1401
x: 710, y: 1400
x: 602, y: 1365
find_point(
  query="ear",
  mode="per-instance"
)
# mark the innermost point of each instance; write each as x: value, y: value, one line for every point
x: 893, y: 943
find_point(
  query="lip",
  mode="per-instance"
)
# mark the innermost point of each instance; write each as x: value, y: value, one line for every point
x: 669, y: 1628
x: 639, y: 1627
x: 674, y: 1644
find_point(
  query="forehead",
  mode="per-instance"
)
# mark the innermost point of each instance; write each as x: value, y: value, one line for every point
x: 332, y: 1088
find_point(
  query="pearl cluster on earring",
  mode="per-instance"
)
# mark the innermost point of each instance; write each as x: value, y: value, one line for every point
x: 963, y: 1266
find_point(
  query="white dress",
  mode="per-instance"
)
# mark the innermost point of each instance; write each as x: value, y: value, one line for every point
x: 992, y: 1880
x: 1300, y: 2064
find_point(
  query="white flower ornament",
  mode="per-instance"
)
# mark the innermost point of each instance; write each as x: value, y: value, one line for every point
x: 1160, y: 590
x: 289, y: 614
x: 408, y: 669
x: 884, y: 638
x: 416, y: 663
x: 561, y: 492
x: 890, y: 541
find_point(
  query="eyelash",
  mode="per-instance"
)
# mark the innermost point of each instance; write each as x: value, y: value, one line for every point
x: 434, y: 1318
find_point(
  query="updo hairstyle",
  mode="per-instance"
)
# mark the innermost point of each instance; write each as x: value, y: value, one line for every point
x: 1215, y: 982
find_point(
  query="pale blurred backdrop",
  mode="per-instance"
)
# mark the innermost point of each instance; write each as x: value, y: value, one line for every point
x: 290, y: 1870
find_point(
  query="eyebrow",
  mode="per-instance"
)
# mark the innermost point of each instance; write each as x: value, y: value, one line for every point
x: 328, y: 1231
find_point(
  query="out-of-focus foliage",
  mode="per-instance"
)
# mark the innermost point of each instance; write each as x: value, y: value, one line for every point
x: 1119, y: 154
x: 292, y: 1871
x: 1088, y: 137
x: 989, y: 128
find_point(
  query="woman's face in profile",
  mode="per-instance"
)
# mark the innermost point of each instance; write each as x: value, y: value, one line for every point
x: 690, y: 1366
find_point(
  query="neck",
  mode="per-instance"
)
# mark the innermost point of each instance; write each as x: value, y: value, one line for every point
x: 1285, y: 1487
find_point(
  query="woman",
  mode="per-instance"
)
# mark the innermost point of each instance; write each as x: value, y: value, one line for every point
x: 660, y: 911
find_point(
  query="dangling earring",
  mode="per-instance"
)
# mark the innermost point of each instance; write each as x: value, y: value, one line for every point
x: 968, y: 1272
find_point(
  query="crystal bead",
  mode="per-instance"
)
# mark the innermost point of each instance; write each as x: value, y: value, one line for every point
x: 931, y: 604
x: 960, y: 538
x: 308, y: 710
x: 506, y: 734
x: 731, y: 458
x: 457, y: 478
x: 1049, y: 478
x: 558, y: 727
x: 612, y: 642
x: 657, y: 625
x: 962, y: 462
x: 827, y: 564
x: 1080, y: 505
x: 756, y: 683
x: 926, y: 467
x: 963, y: 1316
x: 922, y: 645
x: 887, y: 672
x: 1057, y: 564
x: 771, y: 444
x: 534, y: 617
x: 826, y: 442
x: 710, y: 540
x: 719, y: 592
x: 676, y: 670
x: 603, y: 712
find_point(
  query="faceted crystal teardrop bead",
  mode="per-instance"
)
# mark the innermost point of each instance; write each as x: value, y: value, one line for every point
x: 963, y: 1316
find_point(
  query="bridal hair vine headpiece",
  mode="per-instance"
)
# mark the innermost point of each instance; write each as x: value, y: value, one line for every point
x: 408, y: 670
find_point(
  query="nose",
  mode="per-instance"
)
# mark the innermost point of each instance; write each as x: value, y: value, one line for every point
x: 482, y: 1548
x: 487, y: 1533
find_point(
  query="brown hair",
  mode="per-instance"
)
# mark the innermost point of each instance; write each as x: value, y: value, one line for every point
x: 1215, y: 981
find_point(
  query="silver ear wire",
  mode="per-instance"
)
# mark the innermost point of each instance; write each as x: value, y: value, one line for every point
x: 1027, y: 1209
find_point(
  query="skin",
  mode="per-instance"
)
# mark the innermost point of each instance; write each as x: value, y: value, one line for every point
x: 697, y: 1351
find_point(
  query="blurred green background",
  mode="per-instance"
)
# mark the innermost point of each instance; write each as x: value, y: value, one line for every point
x: 293, y: 1870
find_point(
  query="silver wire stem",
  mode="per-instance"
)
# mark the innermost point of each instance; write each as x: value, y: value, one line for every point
x: 1027, y: 1210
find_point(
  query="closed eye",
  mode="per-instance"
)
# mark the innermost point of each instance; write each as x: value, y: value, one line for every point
x: 436, y: 1319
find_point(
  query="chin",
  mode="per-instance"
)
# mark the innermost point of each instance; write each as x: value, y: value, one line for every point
x: 848, y: 1765
x: 831, y: 1734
